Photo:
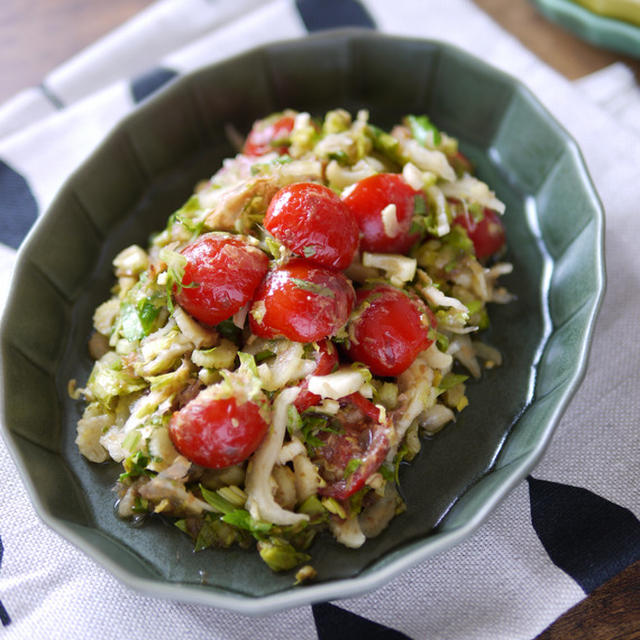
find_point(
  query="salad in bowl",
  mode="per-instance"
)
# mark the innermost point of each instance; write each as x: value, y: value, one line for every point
x: 266, y: 364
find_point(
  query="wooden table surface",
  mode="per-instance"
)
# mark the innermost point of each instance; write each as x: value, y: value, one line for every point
x: 37, y: 35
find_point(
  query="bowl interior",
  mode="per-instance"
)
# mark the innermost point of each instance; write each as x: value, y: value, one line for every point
x: 148, y: 166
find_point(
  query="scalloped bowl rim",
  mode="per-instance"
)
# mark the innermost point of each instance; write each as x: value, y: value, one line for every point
x: 417, y: 551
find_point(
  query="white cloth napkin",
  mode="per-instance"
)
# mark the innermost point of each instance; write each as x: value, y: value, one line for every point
x: 500, y: 583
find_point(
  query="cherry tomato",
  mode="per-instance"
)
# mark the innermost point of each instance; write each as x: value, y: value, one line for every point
x: 487, y: 234
x: 220, y: 276
x: 363, y: 437
x: 302, y: 302
x: 268, y: 135
x: 389, y: 330
x: 326, y: 359
x: 369, y: 198
x: 217, y: 432
x: 313, y: 222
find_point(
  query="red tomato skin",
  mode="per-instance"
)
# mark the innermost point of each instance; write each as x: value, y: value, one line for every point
x: 369, y: 197
x: 217, y: 433
x: 312, y: 221
x: 366, y: 438
x: 298, y: 313
x: 390, y: 331
x: 326, y: 360
x: 262, y: 135
x: 226, y: 270
x: 487, y: 235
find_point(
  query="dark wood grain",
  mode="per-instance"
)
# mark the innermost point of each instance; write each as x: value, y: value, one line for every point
x: 37, y: 35
x: 563, y: 51
x: 611, y: 612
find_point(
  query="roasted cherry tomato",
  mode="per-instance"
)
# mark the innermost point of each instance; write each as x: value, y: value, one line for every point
x: 362, y: 438
x: 383, y: 229
x: 313, y: 222
x: 326, y: 359
x: 217, y: 432
x: 487, y: 234
x: 302, y: 302
x: 388, y: 329
x: 220, y: 276
x: 268, y: 135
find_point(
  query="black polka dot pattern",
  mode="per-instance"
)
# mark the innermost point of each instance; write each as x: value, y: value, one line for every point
x: 149, y: 82
x: 18, y: 206
x: 330, y: 14
x: 585, y: 535
x: 334, y: 623
x: 4, y: 616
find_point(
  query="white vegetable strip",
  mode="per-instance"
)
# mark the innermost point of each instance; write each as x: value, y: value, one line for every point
x: 336, y: 385
x: 347, y: 532
x: 436, y: 297
x: 260, y: 501
x: 434, y: 418
x: 474, y: 190
x: 193, y: 330
x: 436, y: 359
x: 342, y: 177
x: 290, y: 450
x: 399, y: 268
x: 413, y: 176
x: 433, y: 295
x: 390, y: 221
x: 437, y: 197
x: 428, y: 160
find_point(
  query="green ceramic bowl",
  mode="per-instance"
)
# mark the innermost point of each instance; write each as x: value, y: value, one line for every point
x: 147, y: 167
x: 601, y: 30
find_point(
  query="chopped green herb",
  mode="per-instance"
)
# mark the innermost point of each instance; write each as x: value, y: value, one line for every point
x: 442, y: 341
x: 130, y: 325
x: 219, y: 503
x: 387, y: 472
x: 239, y: 518
x: 215, y: 533
x: 280, y: 142
x: 182, y: 216
x: 176, y: 263
x: 423, y: 130
x: 259, y: 167
x: 279, y: 555
x: 140, y: 505
x: 261, y: 356
x: 135, y: 466
x: 385, y: 143
x: 477, y: 211
x: 242, y: 519
x: 182, y: 525
x: 339, y: 156
x: 313, y: 508
x: 355, y: 500
x: 276, y: 249
x: 228, y: 330
x: 312, y: 425
x: 294, y: 421
x: 451, y: 380
x: 403, y: 452
x: 419, y: 205
x: 131, y: 440
x: 137, y: 320
x: 318, y: 289
x: 352, y: 466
